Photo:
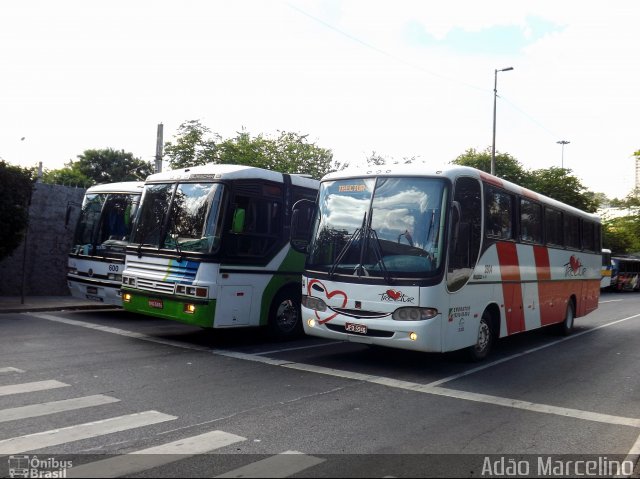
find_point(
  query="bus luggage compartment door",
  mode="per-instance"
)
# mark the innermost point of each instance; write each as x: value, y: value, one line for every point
x: 233, y: 307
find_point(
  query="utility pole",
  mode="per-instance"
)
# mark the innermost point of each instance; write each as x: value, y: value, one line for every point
x: 159, y: 149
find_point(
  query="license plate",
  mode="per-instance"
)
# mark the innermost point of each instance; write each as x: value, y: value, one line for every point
x: 92, y: 290
x: 155, y: 303
x: 355, y: 328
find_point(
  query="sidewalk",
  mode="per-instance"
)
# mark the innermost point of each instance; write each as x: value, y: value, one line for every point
x: 13, y: 304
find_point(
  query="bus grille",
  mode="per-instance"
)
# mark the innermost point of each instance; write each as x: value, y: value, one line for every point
x: 156, y: 286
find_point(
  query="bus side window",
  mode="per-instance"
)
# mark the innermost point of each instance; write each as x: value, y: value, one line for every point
x: 499, y: 207
x: 465, y: 247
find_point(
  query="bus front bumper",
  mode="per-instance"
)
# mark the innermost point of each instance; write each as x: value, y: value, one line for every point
x: 423, y: 335
x: 197, y: 312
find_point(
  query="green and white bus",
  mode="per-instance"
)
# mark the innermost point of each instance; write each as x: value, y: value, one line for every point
x: 96, y: 259
x: 210, y: 247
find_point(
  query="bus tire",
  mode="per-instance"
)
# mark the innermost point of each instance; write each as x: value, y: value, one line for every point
x: 485, y: 340
x: 566, y: 327
x: 285, y: 316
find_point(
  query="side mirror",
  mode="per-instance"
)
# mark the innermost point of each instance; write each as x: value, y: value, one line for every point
x: 301, y: 219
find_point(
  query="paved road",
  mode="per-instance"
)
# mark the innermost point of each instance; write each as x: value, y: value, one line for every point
x: 88, y: 386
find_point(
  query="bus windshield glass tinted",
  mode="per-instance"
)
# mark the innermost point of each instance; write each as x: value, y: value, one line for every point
x: 105, y: 224
x: 184, y: 217
x: 379, y: 227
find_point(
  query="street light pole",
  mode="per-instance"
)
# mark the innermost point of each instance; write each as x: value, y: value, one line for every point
x: 563, y: 142
x: 495, y: 96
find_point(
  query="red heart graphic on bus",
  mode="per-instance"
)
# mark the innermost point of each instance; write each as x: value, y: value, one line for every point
x: 575, y: 263
x: 328, y: 295
x: 393, y: 294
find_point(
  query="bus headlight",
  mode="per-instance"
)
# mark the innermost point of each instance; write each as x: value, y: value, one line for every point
x: 414, y: 314
x: 315, y: 304
x: 114, y: 277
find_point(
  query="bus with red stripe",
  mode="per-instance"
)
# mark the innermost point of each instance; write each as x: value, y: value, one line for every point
x: 439, y: 260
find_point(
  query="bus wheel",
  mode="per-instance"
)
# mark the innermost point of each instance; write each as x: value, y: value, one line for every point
x: 566, y: 328
x: 481, y: 349
x: 285, y: 316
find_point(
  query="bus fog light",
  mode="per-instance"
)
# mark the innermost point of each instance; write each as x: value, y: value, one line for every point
x: 413, y: 336
x: 189, y: 308
x: 126, y: 297
x: 311, y: 322
x: 414, y: 314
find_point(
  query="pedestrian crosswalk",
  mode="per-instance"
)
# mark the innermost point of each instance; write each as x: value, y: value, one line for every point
x: 285, y: 464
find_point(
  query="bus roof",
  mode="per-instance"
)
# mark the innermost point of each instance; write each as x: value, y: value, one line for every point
x: 452, y: 172
x: 121, y: 187
x: 229, y: 172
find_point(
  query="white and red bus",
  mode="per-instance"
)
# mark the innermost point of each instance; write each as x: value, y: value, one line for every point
x: 440, y: 260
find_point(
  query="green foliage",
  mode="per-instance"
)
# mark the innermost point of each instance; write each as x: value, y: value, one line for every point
x: 507, y: 167
x: 287, y: 153
x: 192, y: 148
x: 69, y: 176
x: 556, y: 183
x: 16, y: 185
x: 100, y: 166
x: 110, y: 166
x: 559, y: 184
x: 622, y: 235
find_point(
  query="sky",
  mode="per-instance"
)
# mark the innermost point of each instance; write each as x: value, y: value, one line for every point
x: 408, y: 78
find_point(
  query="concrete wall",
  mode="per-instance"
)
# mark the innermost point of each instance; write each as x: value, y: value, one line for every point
x: 47, y: 244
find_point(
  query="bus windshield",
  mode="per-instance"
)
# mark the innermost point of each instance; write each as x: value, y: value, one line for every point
x: 105, y: 224
x: 379, y: 227
x: 184, y: 217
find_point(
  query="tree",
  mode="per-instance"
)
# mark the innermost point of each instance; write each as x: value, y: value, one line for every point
x: 556, y: 183
x: 559, y: 184
x: 622, y: 235
x: 69, y: 175
x: 16, y: 185
x: 110, y: 166
x: 289, y: 152
x: 507, y: 167
x: 192, y: 147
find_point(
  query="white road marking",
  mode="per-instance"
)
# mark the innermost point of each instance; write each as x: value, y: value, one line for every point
x: 30, y: 387
x: 611, y: 301
x: 10, y: 370
x: 430, y: 388
x: 145, y: 459
x: 32, y: 442
x: 282, y: 465
x: 47, y: 408
x: 284, y: 350
x: 528, y: 351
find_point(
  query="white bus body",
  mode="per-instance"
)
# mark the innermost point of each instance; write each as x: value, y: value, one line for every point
x: 96, y: 260
x: 436, y: 261
x: 211, y: 248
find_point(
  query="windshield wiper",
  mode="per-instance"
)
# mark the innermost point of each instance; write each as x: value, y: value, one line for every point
x: 377, y: 250
x: 355, y: 236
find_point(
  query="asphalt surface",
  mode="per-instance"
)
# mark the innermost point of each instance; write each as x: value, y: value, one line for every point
x: 358, y: 411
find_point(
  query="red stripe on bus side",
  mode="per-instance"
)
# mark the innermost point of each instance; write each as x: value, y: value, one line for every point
x: 530, y: 194
x: 487, y: 178
x: 549, y: 295
x: 511, y: 286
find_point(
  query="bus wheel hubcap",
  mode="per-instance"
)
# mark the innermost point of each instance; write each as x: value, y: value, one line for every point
x: 286, y: 316
x: 483, y: 336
